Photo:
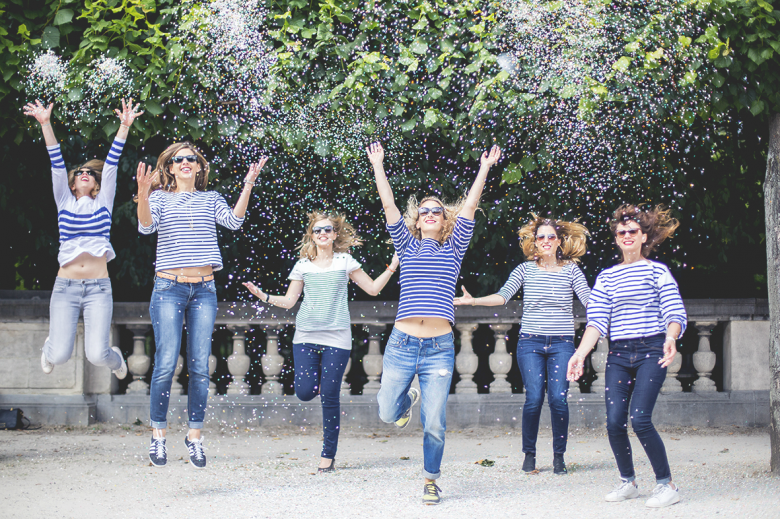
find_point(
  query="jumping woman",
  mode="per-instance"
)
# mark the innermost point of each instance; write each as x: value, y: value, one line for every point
x: 85, y: 202
x: 173, y: 201
x: 549, y: 279
x: 638, y: 304
x: 431, y: 240
x: 323, y: 335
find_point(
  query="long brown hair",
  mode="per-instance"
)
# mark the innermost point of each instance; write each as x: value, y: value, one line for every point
x: 346, y: 236
x: 656, y: 223
x: 96, y: 166
x: 165, y: 179
x: 573, y: 238
x: 451, y: 212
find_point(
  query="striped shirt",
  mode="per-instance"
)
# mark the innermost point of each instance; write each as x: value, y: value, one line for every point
x: 186, y: 228
x: 636, y: 300
x: 323, y: 317
x: 429, y: 271
x: 84, y: 223
x: 547, y: 297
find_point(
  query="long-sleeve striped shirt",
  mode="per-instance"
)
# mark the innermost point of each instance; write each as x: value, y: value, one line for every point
x: 186, y: 228
x: 547, y: 297
x: 636, y: 300
x: 84, y: 223
x: 429, y: 271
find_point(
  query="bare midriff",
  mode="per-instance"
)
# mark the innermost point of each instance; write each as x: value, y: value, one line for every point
x: 190, y: 271
x: 424, y: 327
x: 85, y: 266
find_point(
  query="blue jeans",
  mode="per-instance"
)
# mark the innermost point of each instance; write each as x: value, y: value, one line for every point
x: 171, y: 303
x: 68, y: 298
x: 634, y: 379
x: 319, y: 370
x: 543, y: 360
x: 432, y: 360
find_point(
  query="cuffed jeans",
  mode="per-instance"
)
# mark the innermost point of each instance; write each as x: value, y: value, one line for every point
x: 432, y: 360
x: 633, y: 380
x: 68, y: 298
x: 543, y: 360
x: 171, y: 303
x: 319, y: 370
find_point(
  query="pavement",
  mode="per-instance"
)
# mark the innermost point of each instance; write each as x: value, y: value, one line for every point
x: 270, y: 472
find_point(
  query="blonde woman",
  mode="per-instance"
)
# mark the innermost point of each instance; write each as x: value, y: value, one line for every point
x: 549, y: 279
x: 85, y: 203
x: 431, y: 240
x: 174, y: 203
x: 323, y: 336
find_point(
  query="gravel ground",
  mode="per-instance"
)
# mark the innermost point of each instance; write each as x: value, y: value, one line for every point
x: 271, y: 472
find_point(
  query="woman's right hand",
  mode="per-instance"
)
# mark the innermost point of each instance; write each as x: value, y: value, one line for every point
x: 376, y: 154
x: 145, y: 176
x: 466, y: 300
x: 575, y: 369
x: 255, y: 290
x: 41, y: 113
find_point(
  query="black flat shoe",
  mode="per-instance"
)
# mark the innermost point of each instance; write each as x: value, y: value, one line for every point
x: 529, y: 464
x: 559, y: 466
x: 329, y: 468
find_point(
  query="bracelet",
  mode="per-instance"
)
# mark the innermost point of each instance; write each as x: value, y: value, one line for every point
x: 391, y: 270
x: 126, y: 126
x: 474, y: 302
x: 45, y: 124
x: 672, y: 337
x: 248, y: 183
x: 267, y: 298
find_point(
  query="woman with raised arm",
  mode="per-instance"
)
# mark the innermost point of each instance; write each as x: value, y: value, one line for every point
x: 173, y: 201
x: 85, y: 202
x: 323, y: 335
x: 638, y: 304
x: 549, y: 279
x: 431, y: 240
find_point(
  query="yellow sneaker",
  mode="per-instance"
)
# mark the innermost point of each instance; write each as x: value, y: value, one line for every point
x: 431, y: 494
x: 414, y: 396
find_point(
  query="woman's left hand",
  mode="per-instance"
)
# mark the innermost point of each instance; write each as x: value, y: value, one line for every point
x: 254, y: 169
x: 128, y: 114
x: 489, y: 159
x: 670, y: 350
x: 395, y: 262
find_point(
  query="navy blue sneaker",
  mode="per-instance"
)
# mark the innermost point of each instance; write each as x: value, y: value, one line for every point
x: 195, y: 448
x: 158, y: 454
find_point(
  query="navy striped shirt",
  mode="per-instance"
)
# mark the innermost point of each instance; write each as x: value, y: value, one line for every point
x: 636, y: 300
x: 429, y: 271
x: 547, y: 297
x: 186, y: 228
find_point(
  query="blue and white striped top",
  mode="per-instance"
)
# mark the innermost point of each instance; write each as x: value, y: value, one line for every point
x: 84, y: 223
x: 547, y: 297
x: 636, y: 300
x: 429, y: 271
x: 186, y: 228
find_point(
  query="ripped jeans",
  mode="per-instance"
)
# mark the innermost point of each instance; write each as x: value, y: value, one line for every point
x: 432, y: 360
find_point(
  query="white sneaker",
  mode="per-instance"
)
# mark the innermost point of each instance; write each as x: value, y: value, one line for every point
x: 46, y: 366
x: 625, y: 490
x: 663, y: 495
x: 122, y: 371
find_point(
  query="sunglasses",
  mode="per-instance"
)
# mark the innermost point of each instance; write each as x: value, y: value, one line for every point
x: 90, y: 172
x: 327, y: 229
x: 181, y: 158
x: 630, y: 232
x: 435, y: 211
x: 551, y: 237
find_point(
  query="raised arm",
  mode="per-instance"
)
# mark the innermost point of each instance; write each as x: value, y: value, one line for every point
x: 468, y: 300
x: 370, y: 286
x: 145, y: 176
x: 286, y: 301
x: 249, y: 181
x: 376, y: 154
x: 472, y: 200
x: 126, y: 116
x: 42, y: 114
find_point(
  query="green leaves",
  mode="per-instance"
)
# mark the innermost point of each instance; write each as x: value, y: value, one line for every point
x: 63, y: 16
x: 50, y: 38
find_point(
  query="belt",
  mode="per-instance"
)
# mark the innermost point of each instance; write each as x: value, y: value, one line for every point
x: 185, y: 279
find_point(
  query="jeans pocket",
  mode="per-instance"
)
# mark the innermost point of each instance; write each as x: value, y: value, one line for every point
x: 210, y: 286
x: 59, y: 286
x: 104, y: 285
x: 445, y: 343
x: 161, y: 285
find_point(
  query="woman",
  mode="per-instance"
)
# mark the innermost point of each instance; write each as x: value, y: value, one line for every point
x: 173, y: 201
x: 85, y: 201
x: 323, y: 336
x: 549, y: 280
x: 638, y: 304
x: 430, y: 239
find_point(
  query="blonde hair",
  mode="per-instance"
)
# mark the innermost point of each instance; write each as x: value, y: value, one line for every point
x: 573, y: 238
x: 451, y: 212
x: 656, y: 223
x: 96, y: 166
x: 346, y: 236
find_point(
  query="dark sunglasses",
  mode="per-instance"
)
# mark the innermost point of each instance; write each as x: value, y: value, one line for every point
x: 551, y: 237
x: 327, y: 229
x: 90, y: 172
x: 181, y: 158
x: 630, y: 232
x: 435, y: 211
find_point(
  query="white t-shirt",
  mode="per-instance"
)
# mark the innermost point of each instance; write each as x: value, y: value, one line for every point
x: 323, y: 317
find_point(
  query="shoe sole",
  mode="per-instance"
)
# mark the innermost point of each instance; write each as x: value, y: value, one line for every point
x: 429, y: 503
x: 123, y: 367
x: 664, y: 506
x: 620, y: 500
x: 155, y: 464
x: 414, y: 401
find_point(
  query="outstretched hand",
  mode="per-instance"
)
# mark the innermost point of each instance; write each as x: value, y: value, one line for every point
x: 376, y: 154
x: 465, y: 300
x: 255, y: 290
x: 254, y: 171
x: 145, y: 176
x: 128, y: 114
x: 41, y: 113
x: 489, y: 159
x: 575, y: 368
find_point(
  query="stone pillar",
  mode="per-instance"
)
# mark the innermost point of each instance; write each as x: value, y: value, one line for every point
x: 746, y: 356
x: 466, y: 361
x: 704, y: 359
x: 272, y: 364
x: 139, y: 362
x: 238, y: 362
x: 176, y: 387
x: 372, y: 361
x: 500, y: 361
x: 345, y: 389
x: 212, y: 369
x: 598, y: 359
x: 671, y: 384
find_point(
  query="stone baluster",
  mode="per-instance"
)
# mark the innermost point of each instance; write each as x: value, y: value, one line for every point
x: 466, y: 361
x: 500, y: 361
x: 139, y: 362
x: 345, y: 388
x: 704, y: 359
x: 212, y: 369
x: 574, y: 387
x: 372, y: 361
x: 238, y: 362
x: 671, y: 383
x: 598, y: 359
x: 176, y: 387
x: 272, y: 363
